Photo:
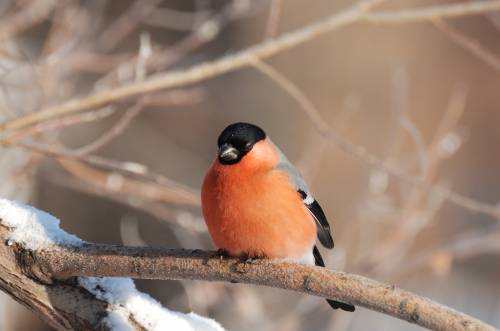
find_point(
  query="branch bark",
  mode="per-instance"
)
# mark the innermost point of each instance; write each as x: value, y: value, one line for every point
x: 161, y: 263
x: 63, y: 306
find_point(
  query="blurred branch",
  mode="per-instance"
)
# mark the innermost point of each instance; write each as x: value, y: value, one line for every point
x: 126, y: 23
x: 33, y: 13
x: 363, y: 154
x: 206, y: 26
x: 62, y: 122
x: 243, y: 58
x: 146, y: 189
x: 60, y: 263
x: 412, y: 220
x: 465, y: 246
x: 432, y: 12
x: 273, y: 19
x: 152, y: 185
x: 116, y: 130
x: 400, y: 91
x: 132, y: 199
x: 473, y: 46
x: 198, y: 72
x: 173, y: 19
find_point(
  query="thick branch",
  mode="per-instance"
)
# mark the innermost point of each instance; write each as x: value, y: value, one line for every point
x: 63, y: 306
x: 158, y: 263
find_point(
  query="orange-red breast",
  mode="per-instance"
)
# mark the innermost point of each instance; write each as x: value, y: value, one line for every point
x: 256, y: 204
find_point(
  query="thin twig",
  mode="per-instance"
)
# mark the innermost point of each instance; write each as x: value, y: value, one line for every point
x: 432, y: 12
x: 116, y: 130
x: 131, y: 199
x: 35, y: 12
x: 473, y: 46
x: 412, y: 219
x: 243, y: 58
x: 178, y: 192
x: 126, y: 23
x: 273, y: 19
x: 116, y: 183
x: 363, y: 154
x: 201, y: 71
x: 62, y: 122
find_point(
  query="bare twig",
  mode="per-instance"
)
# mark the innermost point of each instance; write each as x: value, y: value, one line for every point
x: 62, y: 122
x: 201, y: 71
x: 273, y: 19
x: 173, y: 19
x: 304, y: 102
x: 363, y: 154
x: 465, y: 246
x: 126, y: 23
x: 35, y: 12
x: 158, y: 186
x: 412, y: 219
x: 432, y: 12
x: 115, y: 182
x: 473, y: 46
x: 243, y: 58
x: 206, y: 26
x: 117, y: 129
x: 132, y: 199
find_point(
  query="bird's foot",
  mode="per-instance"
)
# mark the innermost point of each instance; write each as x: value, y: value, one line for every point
x: 250, y: 259
x: 222, y: 253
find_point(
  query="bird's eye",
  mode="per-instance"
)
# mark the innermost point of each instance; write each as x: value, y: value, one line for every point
x: 248, y: 145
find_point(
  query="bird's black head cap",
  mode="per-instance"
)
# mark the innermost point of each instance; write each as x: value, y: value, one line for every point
x: 236, y: 140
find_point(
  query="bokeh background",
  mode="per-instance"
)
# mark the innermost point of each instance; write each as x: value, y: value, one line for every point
x: 409, y: 94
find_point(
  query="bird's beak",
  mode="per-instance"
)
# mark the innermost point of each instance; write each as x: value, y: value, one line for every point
x: 228, y: 153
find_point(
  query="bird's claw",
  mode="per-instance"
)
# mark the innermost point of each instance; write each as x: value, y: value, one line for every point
x: 251, y: 260
x: 222, y: 253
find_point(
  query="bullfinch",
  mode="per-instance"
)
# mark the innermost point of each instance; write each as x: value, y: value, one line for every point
x: 256, y: 204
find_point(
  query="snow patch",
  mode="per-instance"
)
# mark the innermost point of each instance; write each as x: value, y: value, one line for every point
x: 126, y: 303
x: 35, y: 229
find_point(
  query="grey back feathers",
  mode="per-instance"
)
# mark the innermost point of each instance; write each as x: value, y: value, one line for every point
x: 295, y: 177
x: 323, y: 228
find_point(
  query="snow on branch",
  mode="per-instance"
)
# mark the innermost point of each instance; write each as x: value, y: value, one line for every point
x: 115, y: 303
x: 55, y: 257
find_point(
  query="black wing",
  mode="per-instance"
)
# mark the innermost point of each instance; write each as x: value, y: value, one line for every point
x: 324, y: 233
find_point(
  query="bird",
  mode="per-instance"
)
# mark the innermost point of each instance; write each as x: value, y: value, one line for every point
x: 257, y: 205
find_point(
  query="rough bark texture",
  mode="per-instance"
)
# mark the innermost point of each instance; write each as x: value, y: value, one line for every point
x: 158, y: 263
x: 44, y: 281
x: 64, y: 306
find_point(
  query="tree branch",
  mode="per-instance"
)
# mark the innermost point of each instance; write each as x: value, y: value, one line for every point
x: 79, y: 303
x: 161, y: 263
x: 207, y: 70
x: 201, y: 71
x: 433, y: 12
x: 62, y: 306
x: 469, y: 44
x: 48, y: 270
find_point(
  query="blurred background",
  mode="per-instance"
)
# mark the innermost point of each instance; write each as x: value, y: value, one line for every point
x: 405, y: 158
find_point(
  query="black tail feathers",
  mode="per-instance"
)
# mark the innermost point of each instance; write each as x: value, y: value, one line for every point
x: 334, y: 304
x: 344, y: 306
